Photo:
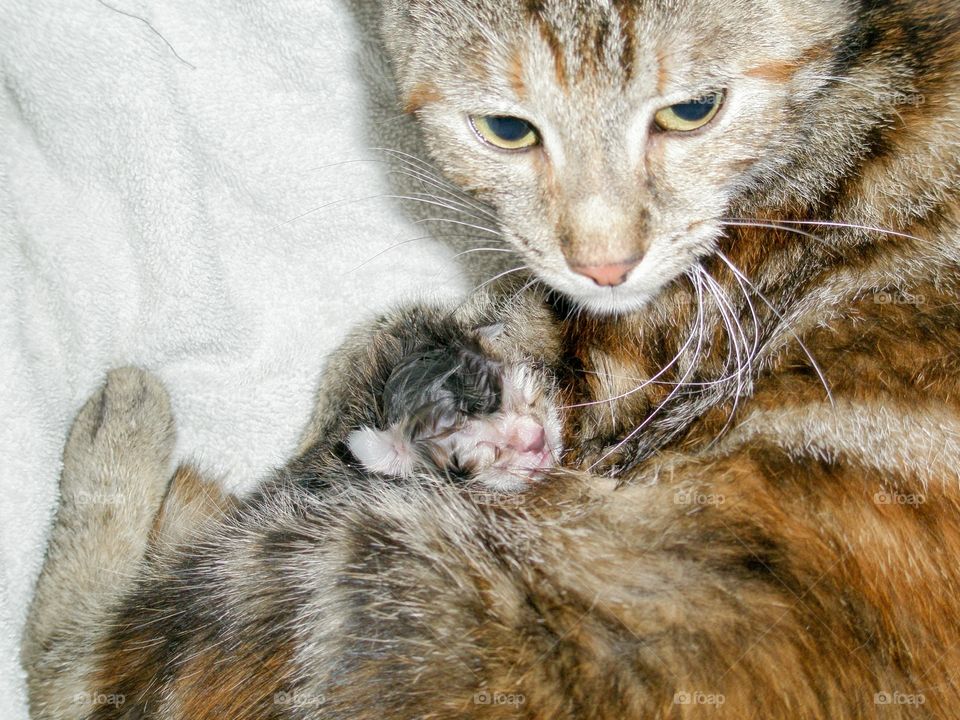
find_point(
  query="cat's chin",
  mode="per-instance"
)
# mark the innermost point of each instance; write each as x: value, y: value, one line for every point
x: 655, y: 273
x: 610, y: 301
x: 603, y: 301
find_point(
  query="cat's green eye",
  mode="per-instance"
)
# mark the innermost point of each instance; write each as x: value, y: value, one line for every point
x: 505, y: 131
x: 689, y: 115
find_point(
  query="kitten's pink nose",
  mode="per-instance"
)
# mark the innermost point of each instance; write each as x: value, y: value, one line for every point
x: 606, y: 275
x: 528, y: 438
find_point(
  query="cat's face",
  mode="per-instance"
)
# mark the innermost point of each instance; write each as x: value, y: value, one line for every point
x: 642, y: 122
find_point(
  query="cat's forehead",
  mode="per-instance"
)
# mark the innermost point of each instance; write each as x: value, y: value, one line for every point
x: 594, y: 44
x: 595, y: 58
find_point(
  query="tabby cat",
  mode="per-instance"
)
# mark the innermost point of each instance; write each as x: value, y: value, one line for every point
x: 743, y: 217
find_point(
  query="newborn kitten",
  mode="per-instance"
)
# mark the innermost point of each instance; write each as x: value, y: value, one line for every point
x: 454, y: 409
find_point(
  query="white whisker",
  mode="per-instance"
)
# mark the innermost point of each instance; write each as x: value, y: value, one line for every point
x: 736, y: 271
x: 777, y: 226
x: 438, y: 203
x: 388, y: 249
x: 483, y: 249
x: 727, y: 316
x: 341, y: 163
x: 526, y: 286
x: 324, y: 206
x: 496, y: 277
x: 449, y: 203
x: 431, y: 190
x: 432, y: 236
x: 427, y: 173
x: 460, y: 222
x: 743, y: 358
x: 638, y: 388
x: 851, y: 226
x: 633, y: 433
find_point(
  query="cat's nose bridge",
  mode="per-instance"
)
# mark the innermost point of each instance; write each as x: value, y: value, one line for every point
x: 597, y: 214
x: 604, y: 240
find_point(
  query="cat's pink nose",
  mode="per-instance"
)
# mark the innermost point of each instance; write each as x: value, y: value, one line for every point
x: 528, y: 438
x: 606, y: 275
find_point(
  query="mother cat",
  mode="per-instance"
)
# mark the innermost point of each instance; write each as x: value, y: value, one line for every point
x: 749, y: 214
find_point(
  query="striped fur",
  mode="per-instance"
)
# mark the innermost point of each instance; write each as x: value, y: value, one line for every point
x: 761, y: 516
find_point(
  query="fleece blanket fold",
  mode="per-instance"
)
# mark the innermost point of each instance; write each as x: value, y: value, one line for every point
x: 189, y: 187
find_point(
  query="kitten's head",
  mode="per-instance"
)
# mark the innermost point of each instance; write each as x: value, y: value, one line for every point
x: 613, y: 136
x: 463, y: 409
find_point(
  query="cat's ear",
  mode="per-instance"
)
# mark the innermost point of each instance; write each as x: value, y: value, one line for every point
x: 382, y: 451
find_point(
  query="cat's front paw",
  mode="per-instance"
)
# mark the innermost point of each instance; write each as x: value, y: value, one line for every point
x: 120, y: 447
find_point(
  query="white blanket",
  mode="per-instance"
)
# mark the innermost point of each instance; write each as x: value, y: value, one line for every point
x: 174, y: 193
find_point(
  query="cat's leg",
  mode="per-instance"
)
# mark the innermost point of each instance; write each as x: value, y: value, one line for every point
x: 116, y: 469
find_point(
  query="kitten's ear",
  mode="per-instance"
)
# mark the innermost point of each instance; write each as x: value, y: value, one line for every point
x: 488, y: 335
x: 490, y: 331
x: 382, y: 451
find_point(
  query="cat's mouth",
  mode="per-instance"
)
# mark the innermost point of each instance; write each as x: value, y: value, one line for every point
x: 632, y: 295
x: 622, y: 288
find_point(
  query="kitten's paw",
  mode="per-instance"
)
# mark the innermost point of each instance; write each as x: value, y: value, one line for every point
x: 121, y: 443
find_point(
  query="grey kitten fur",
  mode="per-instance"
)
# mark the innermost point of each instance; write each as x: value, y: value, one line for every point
x: 435, y: 384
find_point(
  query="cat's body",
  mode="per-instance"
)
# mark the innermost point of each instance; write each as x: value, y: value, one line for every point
x: 779, y: 407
